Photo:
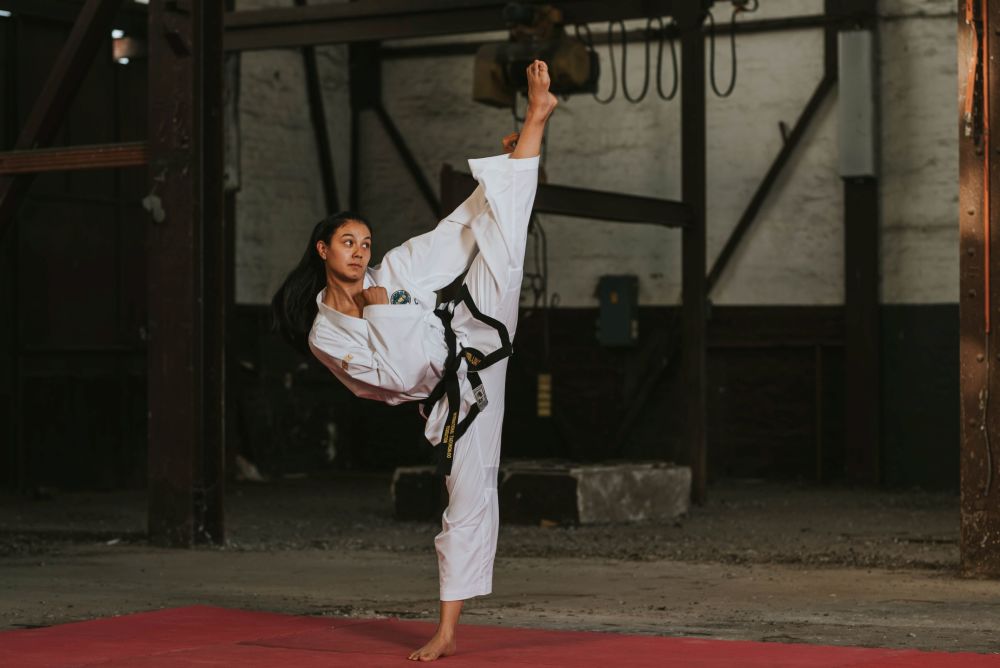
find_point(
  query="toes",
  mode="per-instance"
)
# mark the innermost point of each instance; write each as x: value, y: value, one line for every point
x: 538, y: 72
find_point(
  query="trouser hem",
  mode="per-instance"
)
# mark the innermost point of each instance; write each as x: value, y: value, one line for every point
x: 463, y: 594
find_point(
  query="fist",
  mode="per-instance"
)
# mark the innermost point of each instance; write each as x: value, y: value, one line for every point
x: 510, y: 142
x: 373, y: 295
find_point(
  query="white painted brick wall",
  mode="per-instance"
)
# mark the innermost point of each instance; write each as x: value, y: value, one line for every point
x: 792, y: 255
x: 920, y: 156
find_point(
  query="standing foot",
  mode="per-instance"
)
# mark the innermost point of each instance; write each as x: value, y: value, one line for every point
x: 438, y: 646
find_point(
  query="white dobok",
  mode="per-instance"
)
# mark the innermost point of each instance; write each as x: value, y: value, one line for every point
x: 397, y: 352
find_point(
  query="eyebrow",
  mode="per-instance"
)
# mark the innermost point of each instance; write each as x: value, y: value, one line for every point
x: 350, y: 234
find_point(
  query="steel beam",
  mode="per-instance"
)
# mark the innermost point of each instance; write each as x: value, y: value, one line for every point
x: 99, y: 156
x: 632, y: 36
x: 317, y: 113
x: 88, y: 33
x: 694, y: 291
x: 862, y: 390
x: 365, y: 86
x: 578, y: 202
x: 686, y: 333
x: 409, y: 160
x: 366, y: 95
x: 130, y: 17
x: 186, y: 279
x: 9, y: 359
x: 979, y: 226
x: 374, y: 20
x: 753, y: 208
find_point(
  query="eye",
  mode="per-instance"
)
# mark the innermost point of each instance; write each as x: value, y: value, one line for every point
x: 349, y: 242
x: 366, y: 245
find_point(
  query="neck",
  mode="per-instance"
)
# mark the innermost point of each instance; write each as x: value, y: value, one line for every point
x: 341, y: 294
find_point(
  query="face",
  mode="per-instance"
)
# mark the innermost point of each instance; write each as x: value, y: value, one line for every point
x: 349, y: 251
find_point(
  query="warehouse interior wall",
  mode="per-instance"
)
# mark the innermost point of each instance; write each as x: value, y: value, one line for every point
x: 72, y: 341
x: 775, y: 359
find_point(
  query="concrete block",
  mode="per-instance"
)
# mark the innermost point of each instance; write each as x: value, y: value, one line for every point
x: 631, y: 492
x: 532, y: 492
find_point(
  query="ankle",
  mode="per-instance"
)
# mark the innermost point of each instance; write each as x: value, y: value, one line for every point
x: 446, y: 633
x: 536, y: 115
x: 539, y: 110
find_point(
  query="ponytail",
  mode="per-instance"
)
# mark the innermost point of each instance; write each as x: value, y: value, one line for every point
x: 293, y: 307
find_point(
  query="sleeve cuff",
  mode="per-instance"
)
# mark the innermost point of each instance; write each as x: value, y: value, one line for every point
x: 502, y: 163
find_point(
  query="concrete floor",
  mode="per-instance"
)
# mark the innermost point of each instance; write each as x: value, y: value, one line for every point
x: 759, y: 561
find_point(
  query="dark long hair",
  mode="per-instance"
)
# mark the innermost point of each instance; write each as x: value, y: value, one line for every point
x: 293, y: 307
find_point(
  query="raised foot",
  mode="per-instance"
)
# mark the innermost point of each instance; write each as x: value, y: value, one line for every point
x: 436, y: 647
x: 540, y: 100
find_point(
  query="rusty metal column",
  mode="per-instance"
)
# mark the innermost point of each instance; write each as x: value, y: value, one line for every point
x: 690, y: 17
x: 979, y: 171
x: 186, y: 272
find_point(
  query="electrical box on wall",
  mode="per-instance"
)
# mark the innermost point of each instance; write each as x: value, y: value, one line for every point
x: 618, y: 322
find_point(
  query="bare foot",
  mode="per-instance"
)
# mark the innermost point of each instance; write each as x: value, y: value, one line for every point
x: 438, y: 646
x: 540, y: 100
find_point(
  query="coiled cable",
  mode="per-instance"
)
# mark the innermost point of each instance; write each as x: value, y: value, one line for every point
x: 739, y: 6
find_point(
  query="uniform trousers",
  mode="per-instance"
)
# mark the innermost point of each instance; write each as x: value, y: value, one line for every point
x: 467, y: 544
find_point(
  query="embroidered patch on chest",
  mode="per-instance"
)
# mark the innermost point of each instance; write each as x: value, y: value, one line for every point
x: 400, y: 297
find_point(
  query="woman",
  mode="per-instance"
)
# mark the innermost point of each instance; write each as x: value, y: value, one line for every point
x: 377, y: 330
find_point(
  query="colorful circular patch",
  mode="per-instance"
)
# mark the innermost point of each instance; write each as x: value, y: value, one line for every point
x: 400, y: 297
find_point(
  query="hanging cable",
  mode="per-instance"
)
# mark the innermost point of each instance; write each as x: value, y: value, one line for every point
x: 659, y: 60
x: 589, y: 42
x: 584, y: 34
x: 739, y: 6
x: 645, y: 80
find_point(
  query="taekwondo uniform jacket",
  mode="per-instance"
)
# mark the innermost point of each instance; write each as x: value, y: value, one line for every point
x: 397, y: 352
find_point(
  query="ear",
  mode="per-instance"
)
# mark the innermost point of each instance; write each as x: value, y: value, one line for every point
x: 322, y: 248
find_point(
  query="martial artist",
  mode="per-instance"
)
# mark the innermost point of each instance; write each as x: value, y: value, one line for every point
x: 378, y: 331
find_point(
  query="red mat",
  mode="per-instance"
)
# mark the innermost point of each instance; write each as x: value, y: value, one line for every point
x: 207, y: 636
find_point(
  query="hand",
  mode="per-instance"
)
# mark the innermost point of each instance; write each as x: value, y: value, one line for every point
x: 510, y: 142
x: 371, y: 296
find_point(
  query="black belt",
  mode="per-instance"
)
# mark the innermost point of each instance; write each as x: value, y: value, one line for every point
x: 449, y: 385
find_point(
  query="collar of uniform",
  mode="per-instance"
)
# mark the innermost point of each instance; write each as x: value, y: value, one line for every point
x: 342, y: 320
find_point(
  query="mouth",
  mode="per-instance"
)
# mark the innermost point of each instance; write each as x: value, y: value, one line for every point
x: 354, y: 264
